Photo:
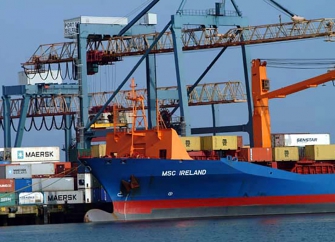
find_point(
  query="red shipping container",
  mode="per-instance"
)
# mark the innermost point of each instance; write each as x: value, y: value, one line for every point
x: 257, y: 154
x: 7, y: 185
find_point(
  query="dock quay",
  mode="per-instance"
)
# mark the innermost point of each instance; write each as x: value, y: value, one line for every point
x: 44, y: 190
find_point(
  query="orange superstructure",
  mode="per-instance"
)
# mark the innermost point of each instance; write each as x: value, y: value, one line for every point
x: 140, y: 141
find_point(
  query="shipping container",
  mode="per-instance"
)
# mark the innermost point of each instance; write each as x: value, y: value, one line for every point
x: 281, y: 140
x: 51, y: 76
x: 2, y: 171
x: 149, y: 19
x: 98, y: 150
x: 301, y: 150
x: 43, y: 169
x: 7, y: 185
x: 320, y: 152
x: 18, y: 171
x: 53, y: 184
x: 87, y: 180
x: 96, y: 195
x: 221, y: 142
x: 70, y: 25
x: 191, y: 143
x: 29, y: 198
x: 8, y: 199
x: 63, y: 168
x: 23, y: 185
x: 256, y: 154
x: 23, y: 154
x: 285, y: 154
x: 62, y: 197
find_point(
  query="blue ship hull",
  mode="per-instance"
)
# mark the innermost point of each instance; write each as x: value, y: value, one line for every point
x: 160, y: 189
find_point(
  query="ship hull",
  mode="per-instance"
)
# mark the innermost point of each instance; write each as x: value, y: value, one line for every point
x: 147, y: 189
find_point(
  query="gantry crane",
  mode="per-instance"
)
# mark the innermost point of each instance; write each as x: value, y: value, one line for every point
x: 105, y: 48
x: 261, y: 94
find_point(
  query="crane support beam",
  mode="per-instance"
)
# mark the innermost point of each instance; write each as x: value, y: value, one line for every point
x: 261, y: 94
x: 68, y: 104
x: 297, y: 87
x: 192, y: 39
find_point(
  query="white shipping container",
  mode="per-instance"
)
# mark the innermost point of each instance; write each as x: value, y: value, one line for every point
x: 53, y: 184
x: 87, y: 180
x: 70, y: 25
x: 53, y: 76
x: 300, y: 140
x: 23, y: 154
x: 26, y: 198
x: 18, y: 171
x: 42, y: 169
x: 150, y: 19
x: 60, y: 197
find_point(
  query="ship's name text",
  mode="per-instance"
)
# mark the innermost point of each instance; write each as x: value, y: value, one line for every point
x: 185, y: 173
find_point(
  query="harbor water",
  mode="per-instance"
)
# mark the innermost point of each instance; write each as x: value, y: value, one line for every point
x: 269, y: 228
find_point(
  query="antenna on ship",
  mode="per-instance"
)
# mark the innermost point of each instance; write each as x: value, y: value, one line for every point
x: 139, y: 118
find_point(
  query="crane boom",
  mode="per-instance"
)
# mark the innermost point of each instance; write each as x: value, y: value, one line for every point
x: 261, y: 95
x: 103, y: 52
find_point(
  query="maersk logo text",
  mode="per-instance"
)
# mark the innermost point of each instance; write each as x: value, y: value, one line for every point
x: 21, y: 155
x: 62, y: 197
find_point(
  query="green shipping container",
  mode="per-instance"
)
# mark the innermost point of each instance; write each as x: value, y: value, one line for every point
x: 8, y: 199
x: 221, y: 142
x: 285, y: 153
x: 191, y: 143
x: 320, y: 152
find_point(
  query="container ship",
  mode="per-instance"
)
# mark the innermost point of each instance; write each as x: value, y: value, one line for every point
x: 156, y: 174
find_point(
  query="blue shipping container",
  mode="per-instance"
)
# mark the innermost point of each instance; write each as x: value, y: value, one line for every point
x: 104, y: 196
x: 23, y: 185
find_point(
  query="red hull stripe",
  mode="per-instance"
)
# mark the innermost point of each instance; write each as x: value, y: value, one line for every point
x: 145, y: 207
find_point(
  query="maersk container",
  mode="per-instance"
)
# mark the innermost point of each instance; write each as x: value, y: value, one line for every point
x: 43, y: 169
x: 8, y: 199
x: 30, y: 198
x: 18, y: 171
x: 320, y: 152
x: 191, y: 143
x: 53, y: 184
x: 23, y: 185
x: 281, y: 140
x: 7, y: 185
x: 87, y: 180
x: 285, y: 154
x: 62, y: 197
x: 221, y: 142
x: 70, y: 25
x: 23, y: 154
x: 52, y: 76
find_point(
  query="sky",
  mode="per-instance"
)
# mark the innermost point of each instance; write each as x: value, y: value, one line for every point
x: 27, y: 24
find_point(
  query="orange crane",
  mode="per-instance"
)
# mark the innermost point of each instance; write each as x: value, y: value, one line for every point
x: 261, y: 95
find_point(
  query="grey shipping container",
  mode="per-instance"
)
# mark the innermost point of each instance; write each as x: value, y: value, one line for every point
x: 2, y: 172
x: 43, y: 169
x: 53, y: 184
x: 18, y: 171
x: 62, y: 197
